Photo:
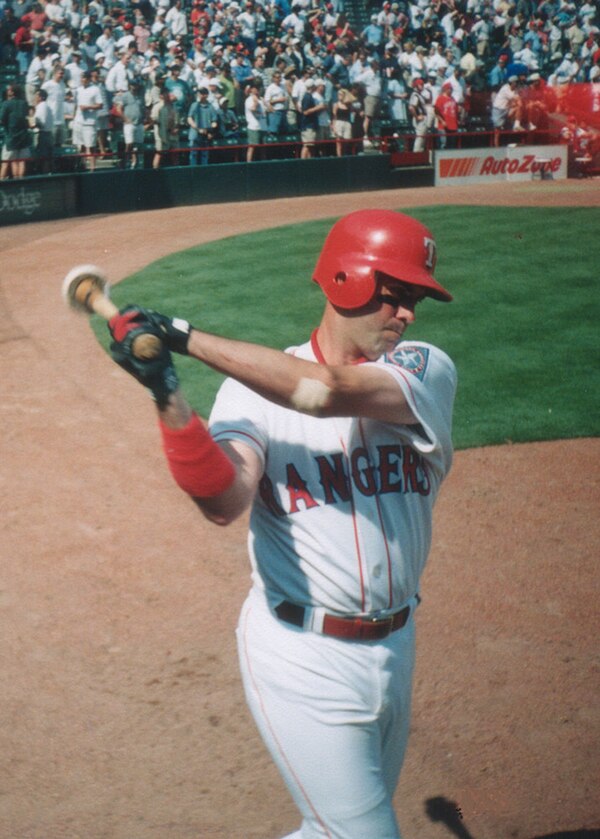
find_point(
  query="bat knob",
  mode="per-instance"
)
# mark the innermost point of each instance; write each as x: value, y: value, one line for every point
x: 81, y: 284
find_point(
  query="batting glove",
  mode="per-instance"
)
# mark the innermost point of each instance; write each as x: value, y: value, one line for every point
x: 175, y: 332
x: 157, y: 374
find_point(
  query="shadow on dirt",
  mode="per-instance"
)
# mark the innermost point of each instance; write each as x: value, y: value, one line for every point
x: 448, y: 812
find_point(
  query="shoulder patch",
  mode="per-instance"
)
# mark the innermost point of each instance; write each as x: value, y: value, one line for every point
x: 412, y: 359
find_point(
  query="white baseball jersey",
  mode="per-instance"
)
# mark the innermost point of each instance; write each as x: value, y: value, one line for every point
x: 342, y: 519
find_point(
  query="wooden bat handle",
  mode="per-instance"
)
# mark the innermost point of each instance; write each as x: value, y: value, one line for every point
x: 145, y: 347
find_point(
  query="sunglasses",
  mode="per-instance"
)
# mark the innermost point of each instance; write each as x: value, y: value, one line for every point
x: 407, y: 298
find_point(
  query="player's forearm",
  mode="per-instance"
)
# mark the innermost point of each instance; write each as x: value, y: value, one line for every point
x: 317, y: 389
x: 271, y: 373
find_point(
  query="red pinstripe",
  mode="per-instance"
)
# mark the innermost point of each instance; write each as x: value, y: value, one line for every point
x: 361, y: 575
x: 274, y: 735
x: 383, y: 533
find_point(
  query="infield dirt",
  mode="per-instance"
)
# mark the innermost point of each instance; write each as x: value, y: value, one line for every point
x: 122, y: 713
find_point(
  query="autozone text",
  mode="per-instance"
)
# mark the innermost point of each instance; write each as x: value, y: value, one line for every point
x: 528, y: 164
x: 399, y: 469
x: 24, y: 201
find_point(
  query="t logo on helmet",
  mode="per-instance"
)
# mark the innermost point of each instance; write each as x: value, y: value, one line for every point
x: 430, y: 253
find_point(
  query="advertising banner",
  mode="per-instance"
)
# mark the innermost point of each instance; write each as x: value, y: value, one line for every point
x: 36, y: 199
x: 509, y: 163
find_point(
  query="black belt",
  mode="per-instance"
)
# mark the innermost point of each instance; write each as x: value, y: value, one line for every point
x: 353, y: 628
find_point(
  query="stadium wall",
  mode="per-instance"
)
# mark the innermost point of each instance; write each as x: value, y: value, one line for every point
x: 115, y: 191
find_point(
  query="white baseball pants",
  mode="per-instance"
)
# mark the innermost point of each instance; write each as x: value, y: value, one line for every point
x: 335, y: 717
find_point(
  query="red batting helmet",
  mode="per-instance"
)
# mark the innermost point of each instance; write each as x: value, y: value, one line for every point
x: 367, y: 241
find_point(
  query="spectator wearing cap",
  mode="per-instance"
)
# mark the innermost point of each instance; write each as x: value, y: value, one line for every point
x: 386, y: 18
x: 35, y: 76
x: 506, y: 106
x: 214, y: 89
x: 538, y: 101
x: 176, y: 19
x: 436, y: 57
x: 323, y: 114
x: 90, y: 21
x: 259, y: 72
x: 102, y: 115
x: 227, y: 84
x: 88, y: 101
x: 74, y: 70
x: 179, y: 89
x: 448, y: 23
x: 159, y: 22
x: 199, y: 76
x: 299, y: 87
x: 555, y: 39
x: 417, y: 108
x: 459, y: 86
x: 203, y: 122
x: 56, y: 89
x: 359, y: 65
x: 141, y: 34
x: 373, y: 36
x: 431, y: 91
x: 566, y: 72
x: 276, y: 98
x: 165, y: 126
x: 371, y: 79
x: 55, y: 12
x: 126, y: 38
x: 88, y: 49
x: 446, y: 111
x: 256, y: 122
x: 248, y: 22
x: 119, y: 76
x: 498, y: 74
x: 229, y: 127
x: 481, y: 32
x: 339, y: 72
x: 397, y: 96
x: 108, y: 46
x: 42, y: 123
x: 296, y: 21
x: 405, y: 56
x: 24, y: 44
x: 308, y: 119
x: 241, y: 73
x: 528, y: 57
x: 575, y: 35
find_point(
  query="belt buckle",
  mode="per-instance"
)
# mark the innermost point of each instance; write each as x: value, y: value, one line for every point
x: 385, y: 625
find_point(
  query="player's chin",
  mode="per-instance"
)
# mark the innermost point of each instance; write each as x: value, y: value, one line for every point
x: 392, y: 338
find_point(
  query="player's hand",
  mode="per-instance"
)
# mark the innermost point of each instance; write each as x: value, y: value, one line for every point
x: 157, y: 374
x: 174, y: 332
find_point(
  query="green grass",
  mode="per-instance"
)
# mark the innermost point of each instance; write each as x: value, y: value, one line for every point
x: 522, y: 329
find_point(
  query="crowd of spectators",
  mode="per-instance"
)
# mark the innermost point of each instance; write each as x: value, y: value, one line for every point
x: 121, y: 74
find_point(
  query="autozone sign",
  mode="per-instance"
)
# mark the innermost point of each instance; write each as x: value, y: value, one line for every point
x: 511, y: 163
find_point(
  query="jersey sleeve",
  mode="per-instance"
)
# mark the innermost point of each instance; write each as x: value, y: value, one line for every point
x: 427, y: 378
x: 238, y: 414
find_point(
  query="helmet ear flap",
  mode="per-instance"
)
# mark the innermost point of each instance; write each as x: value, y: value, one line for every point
x: 350, y: 287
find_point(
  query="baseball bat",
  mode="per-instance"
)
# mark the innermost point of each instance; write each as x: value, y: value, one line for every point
x: 85, y: 289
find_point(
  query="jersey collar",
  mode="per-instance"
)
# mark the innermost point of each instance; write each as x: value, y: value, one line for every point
x: 314, y: 343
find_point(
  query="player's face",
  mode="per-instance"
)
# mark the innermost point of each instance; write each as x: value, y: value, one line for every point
x: 389, y: 314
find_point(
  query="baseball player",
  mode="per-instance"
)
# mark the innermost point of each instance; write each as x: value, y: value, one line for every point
x: 339, y: 447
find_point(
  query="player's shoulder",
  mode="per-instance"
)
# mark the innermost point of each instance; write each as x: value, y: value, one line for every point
x: 304, y: 351
x: 420, y: 359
